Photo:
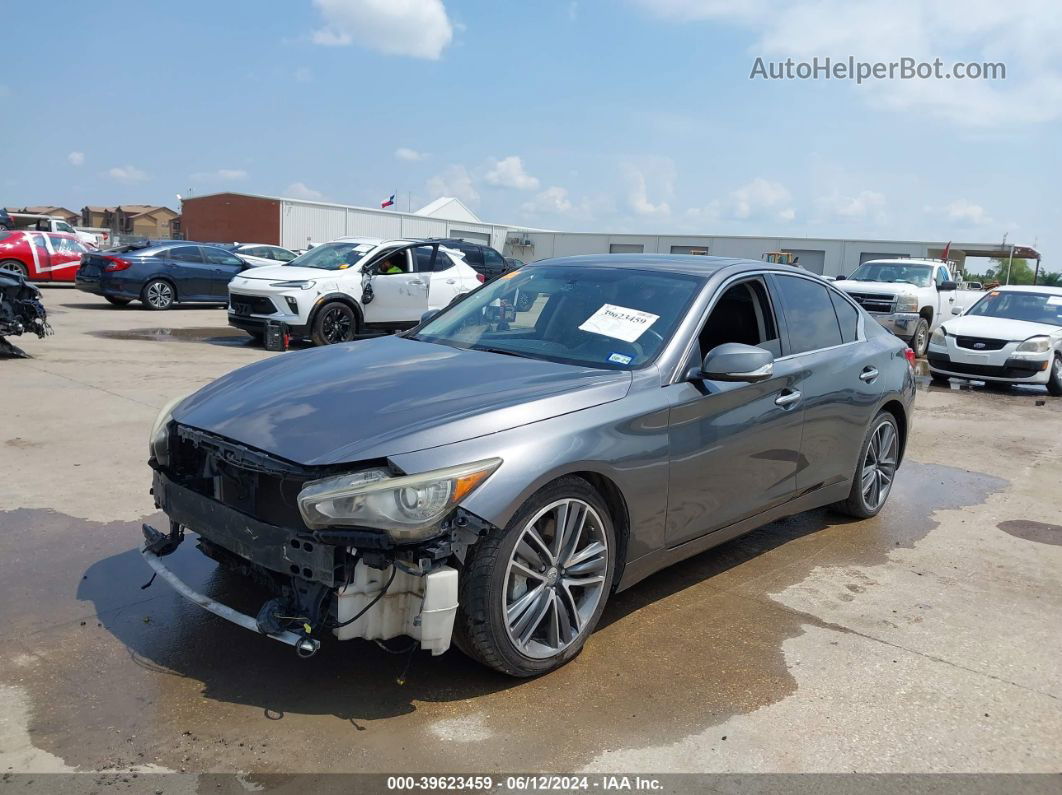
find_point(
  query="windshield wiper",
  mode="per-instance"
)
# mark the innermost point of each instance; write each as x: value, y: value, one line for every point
x: 502, y: 351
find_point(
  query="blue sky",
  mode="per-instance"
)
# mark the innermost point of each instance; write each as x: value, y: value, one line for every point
x: 631, y: 115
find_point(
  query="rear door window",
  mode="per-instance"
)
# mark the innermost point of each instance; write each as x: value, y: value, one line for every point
x: 185, y: 254
x: 218, y: 256
x: 847, y: 316
x: 809, y: 314
x: 424, y: 259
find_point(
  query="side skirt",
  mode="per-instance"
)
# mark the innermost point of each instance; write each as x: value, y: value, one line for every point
x: 637, y: 570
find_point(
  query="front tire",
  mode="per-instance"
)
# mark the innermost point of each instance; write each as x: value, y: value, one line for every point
x: 530, y: 595
x: 873, y: 478
x: 158, y: 295
x: 920, y: 338
x: 14, y: 266
x: 1054, y: 383
x: 335, y: 322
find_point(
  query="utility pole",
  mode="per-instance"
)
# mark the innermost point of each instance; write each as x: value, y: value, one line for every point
x: 1010, y: 261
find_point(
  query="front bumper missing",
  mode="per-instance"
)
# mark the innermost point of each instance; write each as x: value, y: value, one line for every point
x: 303, y: 645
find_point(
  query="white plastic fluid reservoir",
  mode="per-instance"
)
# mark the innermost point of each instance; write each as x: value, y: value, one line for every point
x: 439, y: 609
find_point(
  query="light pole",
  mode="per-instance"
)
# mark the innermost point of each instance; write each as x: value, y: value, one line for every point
x: 1010, y: 261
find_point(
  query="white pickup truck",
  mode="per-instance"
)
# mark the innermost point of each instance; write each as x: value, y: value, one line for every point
x: 49, y: 223
x: 909, y: 297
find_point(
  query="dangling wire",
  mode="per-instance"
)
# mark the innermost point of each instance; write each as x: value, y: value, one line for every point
x: 375, y: 599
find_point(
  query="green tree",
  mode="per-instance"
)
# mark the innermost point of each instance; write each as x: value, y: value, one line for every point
x: 1020, y: 271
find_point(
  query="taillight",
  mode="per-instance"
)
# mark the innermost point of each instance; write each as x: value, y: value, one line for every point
x: 481, y: 278
x: 909, y: 355
x: 117, y: 264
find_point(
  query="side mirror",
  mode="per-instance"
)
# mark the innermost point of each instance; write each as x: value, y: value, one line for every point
x: 839, y: 277
x: 957, y: 310
x: 733, y: 361
x: 428, y: 315
x: 947, y: 286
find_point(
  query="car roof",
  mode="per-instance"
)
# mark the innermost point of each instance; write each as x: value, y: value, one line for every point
x: 691, y: 264
x: 1027, y: 288
x: 903, y: 261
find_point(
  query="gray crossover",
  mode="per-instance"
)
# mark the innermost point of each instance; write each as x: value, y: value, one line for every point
x: 493, y: 475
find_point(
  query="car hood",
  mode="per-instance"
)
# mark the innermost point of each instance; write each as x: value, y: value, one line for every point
x: 287, y: 273
x: 376, y: 398
x: 876, y: 288
x: 998, y: 328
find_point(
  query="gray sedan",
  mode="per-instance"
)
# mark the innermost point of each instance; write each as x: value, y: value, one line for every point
x: 494, y: 475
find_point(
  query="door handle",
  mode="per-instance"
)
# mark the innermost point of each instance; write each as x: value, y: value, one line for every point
x: 417, y: 281
x: 868, y: 374
x: 787, y: 399
x: 451, y: 281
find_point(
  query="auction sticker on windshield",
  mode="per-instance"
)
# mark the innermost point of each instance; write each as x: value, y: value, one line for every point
x: 1054, y: 300
x: 619, y: 322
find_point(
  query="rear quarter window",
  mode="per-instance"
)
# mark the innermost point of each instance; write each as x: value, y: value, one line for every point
x: 809, y: 314
x: 847, y: 317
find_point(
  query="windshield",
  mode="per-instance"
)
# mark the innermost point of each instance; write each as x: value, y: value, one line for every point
x: 1032, y: 307
x: 919, y: 275
x: 609, y: 318
x: 332, y: 256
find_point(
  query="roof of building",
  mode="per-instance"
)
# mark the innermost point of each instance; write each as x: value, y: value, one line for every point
x: 692, y: 264
x: 448, y: 208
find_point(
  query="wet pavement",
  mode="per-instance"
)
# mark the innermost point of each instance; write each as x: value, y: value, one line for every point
x: 922, y: 640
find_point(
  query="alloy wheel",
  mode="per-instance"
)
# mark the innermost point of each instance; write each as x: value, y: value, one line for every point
x: 159, y: 295
x: 879, y: 466
x: 11, y: 266
x: 555, y: 578
x: 336, y: 326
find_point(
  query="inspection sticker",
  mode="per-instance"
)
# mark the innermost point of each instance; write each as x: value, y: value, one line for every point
x: 1054, y: 300
x: 619, y: 322
x: 619, y: 358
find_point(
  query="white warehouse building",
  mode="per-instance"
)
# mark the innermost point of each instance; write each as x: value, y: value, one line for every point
x: 298, y: 223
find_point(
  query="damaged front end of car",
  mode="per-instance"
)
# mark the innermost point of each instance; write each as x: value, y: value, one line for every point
x: 21, y: 312
x: 353, y: 552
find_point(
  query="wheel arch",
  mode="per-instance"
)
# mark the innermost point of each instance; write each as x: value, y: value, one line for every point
x: 927, y: 313
x: 617, y: 507
x: 161, y: 278
x: 899, y: 413
x: 342, y: 298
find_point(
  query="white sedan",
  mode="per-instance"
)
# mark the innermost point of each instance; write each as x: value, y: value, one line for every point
x: 1012, y: 335
x: 338, y: 290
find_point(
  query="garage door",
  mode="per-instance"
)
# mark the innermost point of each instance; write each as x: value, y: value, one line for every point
x: 471, y: 237
x: 869, y: 255
x: 625, y: 248
x: 811, y: 259
x: 702, y: 250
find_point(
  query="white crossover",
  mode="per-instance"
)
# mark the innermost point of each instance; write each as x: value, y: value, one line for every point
x: 338, y: 290
x: 1012, y: 335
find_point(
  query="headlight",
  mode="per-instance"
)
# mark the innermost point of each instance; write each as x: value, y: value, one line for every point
x: 409, y: 507
x: 158, y: 441
x: 1035, y: 345
x: 301, y: 285
x: 939, y: 338
x: 907, y: 303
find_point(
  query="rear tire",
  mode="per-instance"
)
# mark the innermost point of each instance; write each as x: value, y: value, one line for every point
x: 14, y: 266
x: 158, y: 295
x: 920, y: 338
x: 939, y: 380
x: 501, y: 623
x: 118, y: 301
x: 1054, y: 383
x: 335, y: 322
x: 875, y: 471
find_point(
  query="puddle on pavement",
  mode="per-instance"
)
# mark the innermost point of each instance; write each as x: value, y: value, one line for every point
x: 209, y: 334
x: 119, y: 675
x: 1033, y: 531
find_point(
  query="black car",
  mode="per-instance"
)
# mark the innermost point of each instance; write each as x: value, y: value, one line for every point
x: 483, y: 259
x: 160, y: 274
x: 5, y: 220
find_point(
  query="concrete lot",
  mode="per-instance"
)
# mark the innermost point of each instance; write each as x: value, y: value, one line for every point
x: 924, y: 640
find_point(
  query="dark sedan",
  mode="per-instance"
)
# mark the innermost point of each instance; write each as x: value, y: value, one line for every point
x: 499, y: 473
x: 160, y: 275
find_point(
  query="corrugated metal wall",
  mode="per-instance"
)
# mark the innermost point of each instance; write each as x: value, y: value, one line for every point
x: 303, y: 223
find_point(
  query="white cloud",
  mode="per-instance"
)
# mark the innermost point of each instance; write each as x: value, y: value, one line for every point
x: 552, y: 200
x: 454, y: 181
x: 964, y: 213
x: 417, y: 28
x: 653, y: 175
x: 300, y: 190
x: 127, y: 174
x: 865, y: 205
x: 509, y: 173
x: 761, y: 198
x: 303, y: 74
x: 76, y: 158
x: 409, y: 155
x: 221, y: 175
x: 1022, y: 34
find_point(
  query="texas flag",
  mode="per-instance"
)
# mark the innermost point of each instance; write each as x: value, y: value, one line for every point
x: 388, y: 202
